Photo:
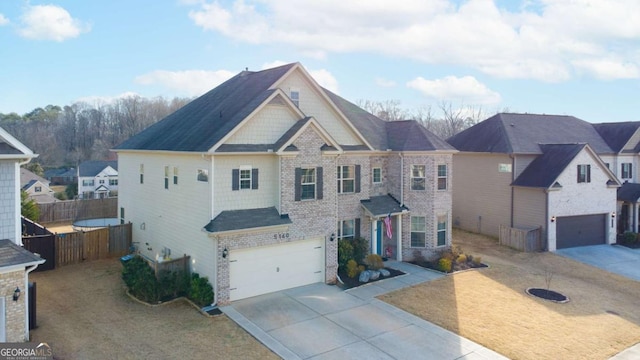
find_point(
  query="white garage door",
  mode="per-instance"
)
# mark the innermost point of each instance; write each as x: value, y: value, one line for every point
x: 266, y: 269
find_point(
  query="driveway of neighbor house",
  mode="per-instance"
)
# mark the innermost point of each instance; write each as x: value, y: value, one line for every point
x: 321, y: 321
x: 83, y: 312
x: 616, y: 259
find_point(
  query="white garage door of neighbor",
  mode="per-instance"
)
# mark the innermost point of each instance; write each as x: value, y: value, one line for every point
x: 267, y: 269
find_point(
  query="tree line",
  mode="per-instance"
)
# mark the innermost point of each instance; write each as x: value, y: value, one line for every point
x: 68, y: 135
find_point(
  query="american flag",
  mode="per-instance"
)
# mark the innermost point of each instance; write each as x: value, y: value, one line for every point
x: 387, y: 225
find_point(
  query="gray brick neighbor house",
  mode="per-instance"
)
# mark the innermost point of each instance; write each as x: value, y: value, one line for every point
x: 259, y: 178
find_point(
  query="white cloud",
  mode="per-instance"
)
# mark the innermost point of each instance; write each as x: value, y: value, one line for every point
x: 3, y: 20
x: 189, y: 82
x: 321, y: 76
x: 50, y: 22
x: 385, y: 83
x: 535, y: 39
x: 466, y: 89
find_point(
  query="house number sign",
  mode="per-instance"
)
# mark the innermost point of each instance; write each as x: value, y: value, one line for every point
x: 281, y: 236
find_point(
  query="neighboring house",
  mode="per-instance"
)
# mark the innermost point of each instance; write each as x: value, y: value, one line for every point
x: 528, y: 171
x: 624, y: 140
x: 97, y: 179
x: 36, y: 187
x: 259, y: 178
x: 62, y: 176
x: 15, y: 262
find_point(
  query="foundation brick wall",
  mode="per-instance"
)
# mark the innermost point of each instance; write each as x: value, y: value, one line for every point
x: 15, y: 311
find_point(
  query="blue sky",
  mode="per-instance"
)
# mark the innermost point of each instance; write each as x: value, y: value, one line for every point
x: 574, y: 57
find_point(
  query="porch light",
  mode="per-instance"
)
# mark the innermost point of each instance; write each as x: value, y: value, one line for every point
x: 16, y: 294
x: 332, y: 237
x: 553, y: 219
x: 225, y: 252
x: 613, y: 214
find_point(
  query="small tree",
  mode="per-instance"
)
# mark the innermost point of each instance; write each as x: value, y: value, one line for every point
x: 71, y: 190
x: 28, y: 207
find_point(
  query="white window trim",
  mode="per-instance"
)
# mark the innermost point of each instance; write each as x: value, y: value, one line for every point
x: 248, y: 169
x: 342, y: 180
x: 622, y: 170
x: 203, y: 172
x: 175, y: 175
x: 166, y: 177
x: 314, y: 183
x: 341, y: 227
x: 423, y: 232
x: 445, y: 177
x: 293, y: 90
x: 446, y: 219
x: 373, y: 178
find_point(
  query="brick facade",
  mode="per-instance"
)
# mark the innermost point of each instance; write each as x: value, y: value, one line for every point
x: 15, y: 311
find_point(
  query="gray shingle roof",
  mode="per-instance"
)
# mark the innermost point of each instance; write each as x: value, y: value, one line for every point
x: 618, y: 134
x: 203, y: 122
x: 379, y: 206
x: 246, y: 219
x: 93, y: 167
x: 546, y: 168
x: 27, y: 178
x: 12, y: 254
x: 409, y: 135
x: 522, y: 134
x: 629, y: 192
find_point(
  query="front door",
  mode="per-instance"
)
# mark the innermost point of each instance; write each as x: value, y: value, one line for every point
x: 379, y: 237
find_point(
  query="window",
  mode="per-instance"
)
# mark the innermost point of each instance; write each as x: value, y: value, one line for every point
x: 626, y: 171
x: 308, y: 184
x: 166, y: 177
x: 203, y: 175
x: 87, y: 183
x: 418, y: 231
x: 141, y: 173
x: 504, y: 168
x: 101, y: 181
x: 346, y: 179
x: 608, y: 165
x: 121, y: 215
x: 442, y: 231
x: 113, y: 182
x: 245, y: 178
x: 377, y: 175
x: 346, y: 229
x: 38, y: 189
x: 584, y: 173
x: 294, y: 94
x: 417, y: 177
x: 442, y: 177
x: 175, y: 175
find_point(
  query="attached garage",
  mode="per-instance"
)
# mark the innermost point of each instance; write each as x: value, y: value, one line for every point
x: 584, y: 230
x: 266, y: 269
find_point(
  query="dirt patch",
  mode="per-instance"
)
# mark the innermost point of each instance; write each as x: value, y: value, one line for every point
x: 83, y: 312
x: 491, y: 308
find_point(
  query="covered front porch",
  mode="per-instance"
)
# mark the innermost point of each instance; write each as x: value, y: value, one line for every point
x: 385, y: 220
x: 629, y: 208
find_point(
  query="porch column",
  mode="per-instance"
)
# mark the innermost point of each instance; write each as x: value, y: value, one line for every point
x: 635, y: 218
x: 399, y: 238
x: 374, y: 235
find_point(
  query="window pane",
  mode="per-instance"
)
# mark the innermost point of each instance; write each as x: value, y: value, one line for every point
x: 348, y: 228
x: 245, y: 179
x: 203, y: 175
x: 442, y: 170
x: 417, y: 239
x: 308, y: 192
x: 418, y: 223
x: 377, y: 175
x: 442, y: 238
x: 418, y: 171
x: 348, y: 186
x: 417, y: 184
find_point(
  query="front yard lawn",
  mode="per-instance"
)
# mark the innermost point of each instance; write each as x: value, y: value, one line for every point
x: 84, y: 313
x: 490, y: 306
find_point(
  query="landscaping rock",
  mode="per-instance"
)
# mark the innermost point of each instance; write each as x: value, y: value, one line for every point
x: 375, y: 274
x: 365, y: 276
x: 384, y: 272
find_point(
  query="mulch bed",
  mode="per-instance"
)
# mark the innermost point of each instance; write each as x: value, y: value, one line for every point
x: 548, y: 295
x: 348, y: 283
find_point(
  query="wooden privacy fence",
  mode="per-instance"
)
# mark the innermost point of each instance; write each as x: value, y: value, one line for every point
x: 76, y: 247
x: 179, y: 264
x: 524, y: 239
x: 71, y: 210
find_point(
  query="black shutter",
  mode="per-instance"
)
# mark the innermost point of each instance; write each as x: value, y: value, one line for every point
x: 235, y: 179
x: 319, y: 183
x: 298, y: 183
x: 356, y: 231
x: 578, y: 179
x: 254, y: 179
x: 588, y: 173
x: 630, y: 170
x: 357, y: 178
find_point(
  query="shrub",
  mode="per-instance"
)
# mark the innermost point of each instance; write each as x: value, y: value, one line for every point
x: 462, y: 258
x: 444, y: 265
x: 345, y: 253
x: 172, y: 284
x: 477, y: 260
x: 374, y: 262
x: 140, y: 279
x: 200, y: 290
x: 629, y: 237
x: 352, y: 269
x: 360, y: 249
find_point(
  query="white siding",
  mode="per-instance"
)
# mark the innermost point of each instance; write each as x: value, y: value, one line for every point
x: 482, y: 196
x: 10, y: 199
x: 312, y: 104
x: 173, y: 217
x: 266, y: 127
x: 529, y: 208
x: 582, y: 198
x: 268, y: 183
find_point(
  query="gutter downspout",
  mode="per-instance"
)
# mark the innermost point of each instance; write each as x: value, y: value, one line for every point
x: 26, y: 301
x: 399, y: 244
x: 513, y: 178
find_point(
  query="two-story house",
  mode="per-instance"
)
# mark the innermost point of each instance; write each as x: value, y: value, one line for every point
x: 535, y: 171
x: 15, y: 262
x: 624, y: 140
x: 36, y: 187
x: 258, y: 179
x: 97, y: 179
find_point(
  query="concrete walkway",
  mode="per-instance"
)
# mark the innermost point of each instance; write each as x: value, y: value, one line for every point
x: 320, y: 321
x: 615, y: 259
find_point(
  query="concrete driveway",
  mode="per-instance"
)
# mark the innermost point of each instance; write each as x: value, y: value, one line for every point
x: 324, y: 322
x: 616, y: 259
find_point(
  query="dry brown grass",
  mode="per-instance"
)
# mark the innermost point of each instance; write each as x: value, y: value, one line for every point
x: 490, y: 306
x: 84, y: 313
